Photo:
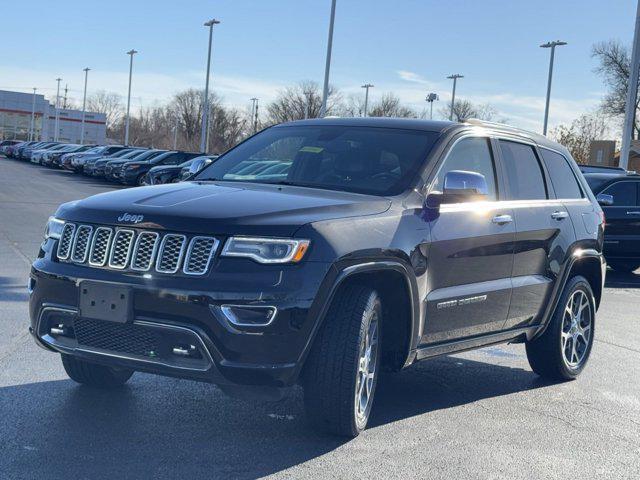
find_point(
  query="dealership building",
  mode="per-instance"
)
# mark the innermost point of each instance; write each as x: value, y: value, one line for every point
x: 15, y: 120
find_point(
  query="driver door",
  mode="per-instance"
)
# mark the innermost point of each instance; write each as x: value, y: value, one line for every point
x: 471, y: 252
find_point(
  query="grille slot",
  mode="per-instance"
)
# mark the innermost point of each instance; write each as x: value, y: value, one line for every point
x: 81, y: 244
x: 100, y: 246
x: 199, y: 255
x: 171, y: 252
x: 121, y: 249
x: 144, y: 251
x: 117, y: 337
x: 66, y: 241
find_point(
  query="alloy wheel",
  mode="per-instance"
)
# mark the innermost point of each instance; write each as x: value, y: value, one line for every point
x: 577, y: 328
x: 367, y: 369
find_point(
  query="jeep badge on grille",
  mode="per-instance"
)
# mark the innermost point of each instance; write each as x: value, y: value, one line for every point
x: 128, y: 217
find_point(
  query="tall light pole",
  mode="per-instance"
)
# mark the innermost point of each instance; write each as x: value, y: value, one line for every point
x: 131, y: 53
x: 175, y: 132
x: 84, y: 103
x: 204, y: 135
x: 552, y: 46
x: 432, y: 97
x: 56, y: 123
x: 254, y: 114
x: 327, y: 66
x: 632, y: 96
x: 33, y: 116
x: 366, y: 86
x: 455, y: 78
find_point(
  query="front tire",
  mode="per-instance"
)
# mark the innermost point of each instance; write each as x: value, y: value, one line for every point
x: 342, y: 370
x: 95, y: 375
x: 563, y: 350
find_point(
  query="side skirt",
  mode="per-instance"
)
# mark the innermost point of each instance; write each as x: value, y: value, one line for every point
x: 458, y: 346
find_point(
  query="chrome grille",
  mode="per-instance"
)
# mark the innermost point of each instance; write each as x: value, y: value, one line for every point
x: 136, y: 250
x: 171, y: 251
x: 144, y: 251
x: 199, y: 255
x: 66, y: 240
x: 81, y: 243
x: 121, y: 249
x: 100, y: 246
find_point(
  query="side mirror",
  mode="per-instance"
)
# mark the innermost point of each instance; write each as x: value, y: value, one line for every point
x: 604, y: 199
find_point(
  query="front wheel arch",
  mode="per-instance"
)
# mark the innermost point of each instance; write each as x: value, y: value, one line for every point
x: 372, y: 274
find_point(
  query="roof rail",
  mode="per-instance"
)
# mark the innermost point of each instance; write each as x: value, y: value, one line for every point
x: 496, y: 125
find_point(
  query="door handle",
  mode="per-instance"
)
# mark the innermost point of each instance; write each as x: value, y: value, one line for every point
x: 502, y: 219
x: 559, y: 215
x: 634, y: 212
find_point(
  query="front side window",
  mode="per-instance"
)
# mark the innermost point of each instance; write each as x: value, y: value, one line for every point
x: 563, y: 179
x: 625, y: 194
x: 471, y: 154
x: 377, y: 161
x: 525, y: 180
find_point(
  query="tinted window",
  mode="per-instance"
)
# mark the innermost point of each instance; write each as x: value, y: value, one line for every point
x: 562, y: 177
x: 380, y: 161
x: 624, y: 193
x: 472, y: 155
x: 525, y: 180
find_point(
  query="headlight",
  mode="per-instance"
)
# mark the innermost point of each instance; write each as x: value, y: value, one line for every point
x: 54, y: 228
x: 266, y: 250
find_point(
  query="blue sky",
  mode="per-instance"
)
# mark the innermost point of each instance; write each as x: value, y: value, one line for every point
x: 405, y: 46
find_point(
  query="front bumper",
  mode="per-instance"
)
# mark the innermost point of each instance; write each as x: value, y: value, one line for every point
x: 183, y: 311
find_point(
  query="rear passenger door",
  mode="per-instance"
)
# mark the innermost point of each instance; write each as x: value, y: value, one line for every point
x: 544, y: 231
x: 622, y: 233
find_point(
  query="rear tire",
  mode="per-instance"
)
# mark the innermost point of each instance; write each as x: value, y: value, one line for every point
x: 95, y: 375
x: 627, y: 267
x: 342, y: 369
x: 563, y: 350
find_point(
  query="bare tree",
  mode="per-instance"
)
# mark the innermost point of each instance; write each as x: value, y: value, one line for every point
x: 108, y: 103
x: 353, y: 106
x: 614, y: 64
x: 389, y: 106
x: 301, y: 101
x: 464, y: 109
x: 577, y: 136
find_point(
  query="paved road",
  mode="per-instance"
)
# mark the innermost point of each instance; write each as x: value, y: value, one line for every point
x: 478, y: 415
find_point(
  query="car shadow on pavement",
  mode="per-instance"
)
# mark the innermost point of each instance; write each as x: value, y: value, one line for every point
x: 447, y: 382
x: 12, y: 292
x: 165, y: 428
x: 615, y: 279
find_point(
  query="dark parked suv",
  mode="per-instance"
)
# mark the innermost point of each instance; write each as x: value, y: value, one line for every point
x: 379, y: 243
x: 619, y: 195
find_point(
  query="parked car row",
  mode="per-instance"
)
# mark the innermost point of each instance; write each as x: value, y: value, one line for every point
x: 115, y: 163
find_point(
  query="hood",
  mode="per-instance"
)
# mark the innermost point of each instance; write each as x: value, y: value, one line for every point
x: 222, y: 208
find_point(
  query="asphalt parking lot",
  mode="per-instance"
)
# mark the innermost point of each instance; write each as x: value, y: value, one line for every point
x: 478, y: 415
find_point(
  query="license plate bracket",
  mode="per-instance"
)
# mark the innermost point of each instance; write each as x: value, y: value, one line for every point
x: 102, y: 301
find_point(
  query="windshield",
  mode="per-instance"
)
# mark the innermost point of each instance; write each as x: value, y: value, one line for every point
x: 379, y: 161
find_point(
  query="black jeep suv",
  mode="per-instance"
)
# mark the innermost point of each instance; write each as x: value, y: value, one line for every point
x: 320, y: 252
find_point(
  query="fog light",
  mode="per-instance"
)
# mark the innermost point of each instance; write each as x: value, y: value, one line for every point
x: 249, y: 315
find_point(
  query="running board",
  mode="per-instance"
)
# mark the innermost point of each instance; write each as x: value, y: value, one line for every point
x: 474, y: 342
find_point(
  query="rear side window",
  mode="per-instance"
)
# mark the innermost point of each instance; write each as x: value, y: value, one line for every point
x: 524, y: 177
x: 625, y: 194
x: 562, y: 177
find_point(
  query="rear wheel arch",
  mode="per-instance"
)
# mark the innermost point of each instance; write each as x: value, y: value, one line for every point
x: 590, y: 267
